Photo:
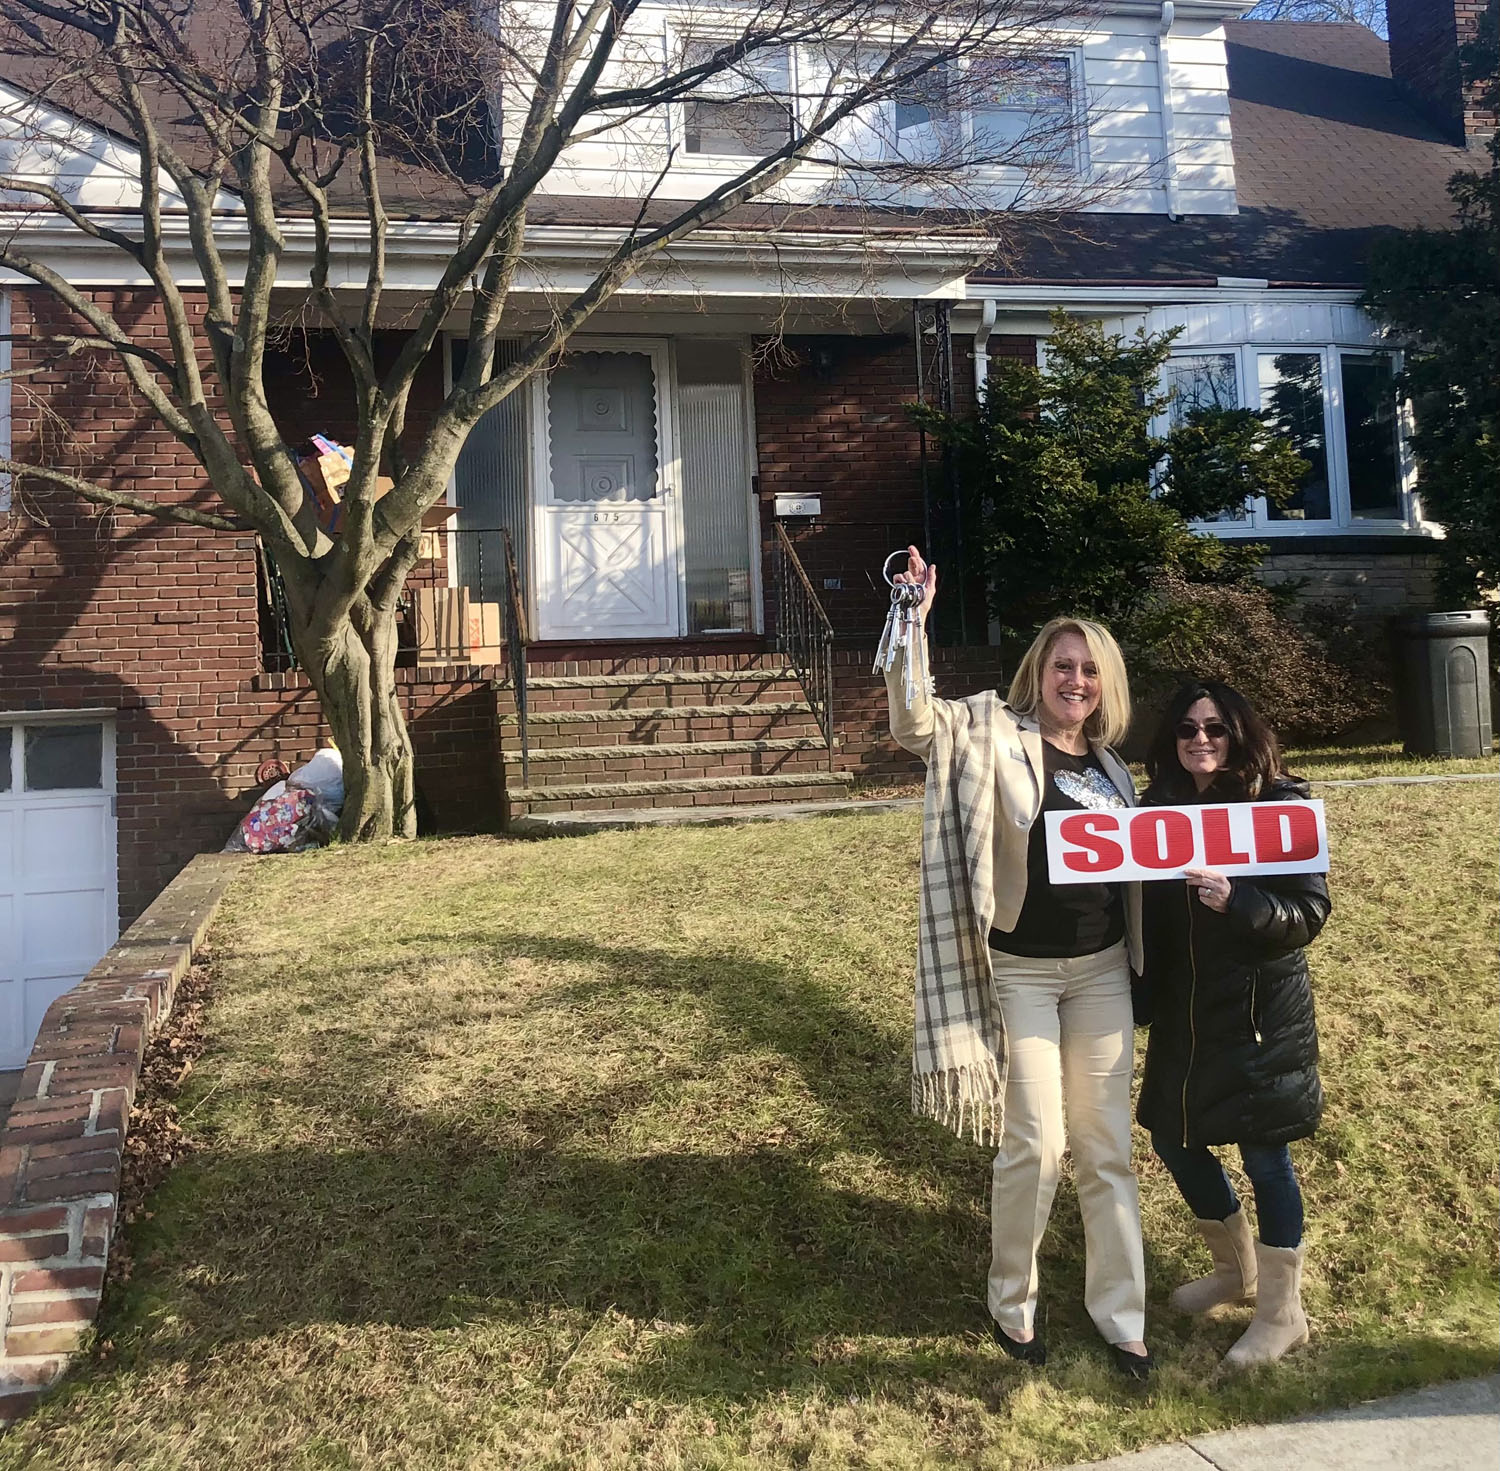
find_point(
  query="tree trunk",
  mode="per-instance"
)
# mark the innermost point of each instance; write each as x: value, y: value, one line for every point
x: 354, y: 673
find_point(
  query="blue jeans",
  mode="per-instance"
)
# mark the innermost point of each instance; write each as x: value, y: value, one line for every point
x: 1206, y: 1188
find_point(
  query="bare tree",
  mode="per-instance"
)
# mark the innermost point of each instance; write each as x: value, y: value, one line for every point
x: 273, y: 135
x: 1369, y: 13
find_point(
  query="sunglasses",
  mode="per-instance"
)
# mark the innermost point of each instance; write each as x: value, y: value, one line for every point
x: 1215, y: 730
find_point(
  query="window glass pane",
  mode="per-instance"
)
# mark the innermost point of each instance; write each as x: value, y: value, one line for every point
x: 715, y: 485
x: 1291, y: 401
x: 739, y: 129
x: 1022, y: 109
x: 5, y: 745
x: 744, y: 108
x: 601, y: 415
x: 924, y: 99
x: 1204, y: 380
x: 63, y: 756
x: 1370, y: 436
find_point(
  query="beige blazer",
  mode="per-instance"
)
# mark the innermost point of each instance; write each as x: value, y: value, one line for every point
x: 1019, y: 774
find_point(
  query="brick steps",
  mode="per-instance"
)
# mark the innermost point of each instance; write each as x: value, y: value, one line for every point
x: 656, y: 737
x: 686, y: 734
x: 602, y: 796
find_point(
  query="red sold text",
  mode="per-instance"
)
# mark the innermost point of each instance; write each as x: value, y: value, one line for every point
x: 1161, y: 842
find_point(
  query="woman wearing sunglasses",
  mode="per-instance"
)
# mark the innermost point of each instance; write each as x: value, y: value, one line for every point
x: 1023, y: 986
x: 1233, y: 1051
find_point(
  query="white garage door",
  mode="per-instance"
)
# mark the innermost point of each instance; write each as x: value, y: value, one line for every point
x: 59, y: 903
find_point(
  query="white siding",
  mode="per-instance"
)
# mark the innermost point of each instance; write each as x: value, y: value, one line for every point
x: 1127, y: 149
x: 86, y: 165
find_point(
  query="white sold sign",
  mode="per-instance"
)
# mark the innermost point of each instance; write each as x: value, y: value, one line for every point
x: 1160, y: 842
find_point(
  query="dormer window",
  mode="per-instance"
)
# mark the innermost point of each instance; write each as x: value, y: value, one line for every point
x: 744, y: 109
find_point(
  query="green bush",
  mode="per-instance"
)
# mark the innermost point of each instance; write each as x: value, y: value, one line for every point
x: 1310, y: 685
x: 1077, y: 506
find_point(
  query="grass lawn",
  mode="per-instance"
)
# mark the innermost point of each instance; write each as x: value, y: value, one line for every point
x: 1316, y: 763
x: 597, y: 1153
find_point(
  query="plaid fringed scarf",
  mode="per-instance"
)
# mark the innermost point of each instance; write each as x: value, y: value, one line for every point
x: 958, y: 1053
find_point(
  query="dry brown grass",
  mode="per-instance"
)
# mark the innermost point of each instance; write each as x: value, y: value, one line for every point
x: 597, y: 1153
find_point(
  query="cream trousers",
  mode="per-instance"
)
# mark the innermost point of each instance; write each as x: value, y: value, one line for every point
x: 1068, y: 1033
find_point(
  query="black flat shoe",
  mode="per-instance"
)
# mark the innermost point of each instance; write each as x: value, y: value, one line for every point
x: 1132, y: 1366
x: 1033, y: 1351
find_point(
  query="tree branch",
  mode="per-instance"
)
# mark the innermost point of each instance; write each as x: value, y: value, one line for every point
x: 121, y: 500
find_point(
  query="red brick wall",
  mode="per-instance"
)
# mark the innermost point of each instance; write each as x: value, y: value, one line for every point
x: 1424, y: 37
x: 157, y: 622
x: 831, y: 420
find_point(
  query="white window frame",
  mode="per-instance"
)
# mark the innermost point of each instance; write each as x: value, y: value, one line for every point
x: 1076, y: 164
x: 1257, y: 522
x: 678, y: 116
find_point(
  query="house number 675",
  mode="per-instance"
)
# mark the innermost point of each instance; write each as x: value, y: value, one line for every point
x: 608, y: 516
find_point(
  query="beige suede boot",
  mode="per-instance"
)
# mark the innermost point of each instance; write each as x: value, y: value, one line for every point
x: 1279, y: 1323
x: 1232, y: 1247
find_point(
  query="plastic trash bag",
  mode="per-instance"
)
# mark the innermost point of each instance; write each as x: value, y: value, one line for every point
x: 296, y: 814
x: 324, y: 775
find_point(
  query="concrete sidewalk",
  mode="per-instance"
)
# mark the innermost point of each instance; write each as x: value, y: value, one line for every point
x: 1450, y: 1427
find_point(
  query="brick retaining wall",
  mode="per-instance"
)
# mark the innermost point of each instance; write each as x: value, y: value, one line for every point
x: 63, y: 1144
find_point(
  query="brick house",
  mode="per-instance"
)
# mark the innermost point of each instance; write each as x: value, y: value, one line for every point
x: 142, y: 680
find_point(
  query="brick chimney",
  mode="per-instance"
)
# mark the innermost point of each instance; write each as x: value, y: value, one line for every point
x: 1425, y: 37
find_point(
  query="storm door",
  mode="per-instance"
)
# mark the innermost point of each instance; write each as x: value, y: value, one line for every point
x: 606, y: 534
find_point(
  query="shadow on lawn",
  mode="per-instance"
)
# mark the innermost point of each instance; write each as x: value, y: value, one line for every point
x: 771, y: 1270
x: 766, y: 1261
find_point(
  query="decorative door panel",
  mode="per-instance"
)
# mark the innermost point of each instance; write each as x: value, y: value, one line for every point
x: 605, y: 529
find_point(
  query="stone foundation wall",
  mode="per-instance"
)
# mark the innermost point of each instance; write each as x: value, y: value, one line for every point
x: 1369, y: 586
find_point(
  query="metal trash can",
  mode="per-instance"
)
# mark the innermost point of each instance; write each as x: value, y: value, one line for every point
x: 1443, y: 690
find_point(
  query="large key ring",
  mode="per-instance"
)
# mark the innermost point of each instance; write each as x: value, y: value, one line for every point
x: 885, y: 570
x: 903, y: 594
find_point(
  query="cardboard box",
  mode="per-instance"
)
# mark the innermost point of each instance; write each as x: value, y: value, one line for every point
x: 327, y: 475
x: 441, y: 615
x: 452, y: 628
x: 485, y: 643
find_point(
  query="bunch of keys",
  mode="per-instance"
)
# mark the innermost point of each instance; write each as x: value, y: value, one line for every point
x: 903, y: 630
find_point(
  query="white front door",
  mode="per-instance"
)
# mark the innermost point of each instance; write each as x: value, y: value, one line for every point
x: 59, y: 903
x: 606, y: 531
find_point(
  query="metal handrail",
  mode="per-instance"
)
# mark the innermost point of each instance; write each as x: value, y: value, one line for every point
x: 517, y: 637
x: 804, y: 634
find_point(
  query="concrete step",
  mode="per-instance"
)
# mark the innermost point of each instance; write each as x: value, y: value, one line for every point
x: 535, y: 718
x: 649, y: 726
x: 696, y: 692
x: 715, y: 790
x: 565, y: 766
x: 581, y: 823
x: 666, y: 680
x: 668, y: 749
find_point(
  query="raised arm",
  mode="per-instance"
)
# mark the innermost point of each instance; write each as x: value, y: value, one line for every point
x: 912, y: 729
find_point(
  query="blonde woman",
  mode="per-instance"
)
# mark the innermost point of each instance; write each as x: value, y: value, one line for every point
x: 1023, y: 987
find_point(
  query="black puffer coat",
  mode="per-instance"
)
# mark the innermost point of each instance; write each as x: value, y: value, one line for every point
x: 1234, y: 1041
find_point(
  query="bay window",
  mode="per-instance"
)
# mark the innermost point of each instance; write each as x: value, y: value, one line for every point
x: 1337, y: 408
